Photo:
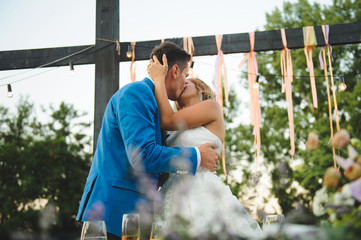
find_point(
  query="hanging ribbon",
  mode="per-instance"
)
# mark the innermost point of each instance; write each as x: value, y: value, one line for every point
x: 287, y: 79
x: 310, y: 42
x: 189, y: 48
x: 254, y: 96
x: 323, y: 64
x: 218, y: 83
x: 132, y: 69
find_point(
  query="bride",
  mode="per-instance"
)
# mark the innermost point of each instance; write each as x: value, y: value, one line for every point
x: 202, y: 201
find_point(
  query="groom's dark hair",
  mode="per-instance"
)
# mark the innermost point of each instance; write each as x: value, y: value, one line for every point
x: 175, y: 55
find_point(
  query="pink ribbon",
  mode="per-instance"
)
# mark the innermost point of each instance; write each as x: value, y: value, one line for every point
x: 132, y: 69
x: 255, y: 107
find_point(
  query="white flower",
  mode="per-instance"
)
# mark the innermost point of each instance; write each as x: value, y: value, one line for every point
x: 319, y: 202
x: 344, y: 198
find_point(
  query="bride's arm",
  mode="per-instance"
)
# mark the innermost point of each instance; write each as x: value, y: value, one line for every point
x: 196, y: 115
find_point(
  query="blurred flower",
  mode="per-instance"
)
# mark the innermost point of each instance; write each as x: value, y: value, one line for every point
x: 352, y: 153
x: 340, y: 139
x: 353, y: 172
x: 312, y: 141
x: 356, y: 142
x: 344, y: 198
x: 345, y: 164
x: 358, y: 159
x: 319, y: 202
x: 355, y: 187
x: 331, y: 178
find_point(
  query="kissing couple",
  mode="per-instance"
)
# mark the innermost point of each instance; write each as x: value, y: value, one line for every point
x: 132, y: 146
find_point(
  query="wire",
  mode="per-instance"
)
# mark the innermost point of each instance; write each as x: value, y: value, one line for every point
x: 47, y: 64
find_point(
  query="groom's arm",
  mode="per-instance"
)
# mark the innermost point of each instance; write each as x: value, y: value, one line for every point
x: 136, y: 119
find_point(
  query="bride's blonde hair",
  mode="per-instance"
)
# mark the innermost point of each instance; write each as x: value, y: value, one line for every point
x: 206, y: 91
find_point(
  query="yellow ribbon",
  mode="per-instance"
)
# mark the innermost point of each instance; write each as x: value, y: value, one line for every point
x: 310, y: 42
x: 219, y: 86
x: 325, y: 35
x: 287, y: 79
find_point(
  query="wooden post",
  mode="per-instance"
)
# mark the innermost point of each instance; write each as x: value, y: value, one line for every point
x: 106, y: 60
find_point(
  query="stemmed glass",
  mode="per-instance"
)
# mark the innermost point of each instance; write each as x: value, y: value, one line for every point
x: 157, y: 232
x: 130, y: 227
x: 93, y: 230
x: 271, y: 221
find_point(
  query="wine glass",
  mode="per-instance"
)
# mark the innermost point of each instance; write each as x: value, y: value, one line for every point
x: 157, y: 232
x: 272, y: 222
x: 93, y: 230
x: 130, y: 227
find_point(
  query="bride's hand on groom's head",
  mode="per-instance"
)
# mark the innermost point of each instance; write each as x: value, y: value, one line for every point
x: 209, y: 157
x: 156, y: 70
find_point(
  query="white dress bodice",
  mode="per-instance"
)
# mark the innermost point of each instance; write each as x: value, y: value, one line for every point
x: 202, y: 200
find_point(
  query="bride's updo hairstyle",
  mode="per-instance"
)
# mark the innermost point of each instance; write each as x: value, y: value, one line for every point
x: 207, y: 92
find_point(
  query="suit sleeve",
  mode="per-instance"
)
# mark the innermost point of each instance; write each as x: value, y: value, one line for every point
x: 137, y: 114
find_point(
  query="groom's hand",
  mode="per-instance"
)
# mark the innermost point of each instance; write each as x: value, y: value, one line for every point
x: 209, y: 157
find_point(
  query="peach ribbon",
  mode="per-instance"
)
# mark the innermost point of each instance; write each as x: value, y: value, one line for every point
x: 132, y: 69
x: 254, y: 96
x: 188, y: 46
x: 323, y: 64
x: 287, y: 79
x: 310, y: 43
x: 218, y: 83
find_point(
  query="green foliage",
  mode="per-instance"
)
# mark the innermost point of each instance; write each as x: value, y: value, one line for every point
x: 275, y: 142
x: 41, y: 164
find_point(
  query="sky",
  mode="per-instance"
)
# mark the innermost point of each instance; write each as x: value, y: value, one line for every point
x: 43, y: 24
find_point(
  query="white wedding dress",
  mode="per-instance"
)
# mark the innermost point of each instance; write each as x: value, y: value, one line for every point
x: 203, y: 200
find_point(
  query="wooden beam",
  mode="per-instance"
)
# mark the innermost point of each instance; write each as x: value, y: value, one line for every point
x: 340, y: 34
x: 34, y: 58
x: 106, y: 60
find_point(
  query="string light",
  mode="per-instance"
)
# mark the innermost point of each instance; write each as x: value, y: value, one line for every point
x: 71, y: 65
x: 10, y: 92
x: 256, y: 83
x: 342, y: 86
x: 129, y: 53
x: 191, y: 69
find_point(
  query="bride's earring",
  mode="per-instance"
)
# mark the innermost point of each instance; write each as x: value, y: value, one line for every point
x: 201, y: 97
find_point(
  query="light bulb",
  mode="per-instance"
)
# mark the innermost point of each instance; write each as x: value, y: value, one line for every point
x: 129, y: 53
x: 10, y: 92
x: 342, y: 86
x: 256, y: 83
x: 71, y: 65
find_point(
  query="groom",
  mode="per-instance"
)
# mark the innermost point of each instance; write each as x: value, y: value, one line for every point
x: 130, y: 146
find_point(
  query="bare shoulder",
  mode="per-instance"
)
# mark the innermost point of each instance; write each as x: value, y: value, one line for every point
x: 212, y: 104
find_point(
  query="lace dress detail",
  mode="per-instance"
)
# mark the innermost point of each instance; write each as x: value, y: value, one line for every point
x: 203, y: 200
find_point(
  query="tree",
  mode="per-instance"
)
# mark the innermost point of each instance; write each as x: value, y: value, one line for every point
x: 43, y: 168
x: 275, y: 146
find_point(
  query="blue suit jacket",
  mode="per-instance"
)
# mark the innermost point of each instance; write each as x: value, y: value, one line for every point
x: 129, y: 145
